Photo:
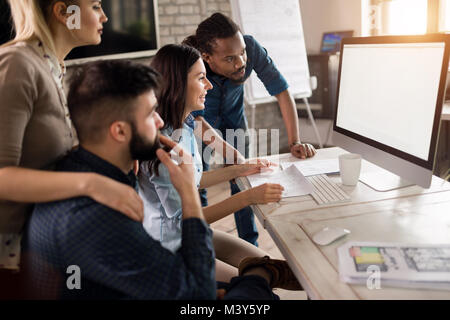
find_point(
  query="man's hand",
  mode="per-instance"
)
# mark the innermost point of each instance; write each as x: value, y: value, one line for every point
x: 303, y: 150
x: 181, y: 174
x: 182, y: 177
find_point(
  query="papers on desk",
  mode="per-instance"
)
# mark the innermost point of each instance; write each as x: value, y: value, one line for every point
x: 294, y: 182
x: 312, y: 167
x: 396, y: 265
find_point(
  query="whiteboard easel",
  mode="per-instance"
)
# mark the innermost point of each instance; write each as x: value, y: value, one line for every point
x: 277, y: 26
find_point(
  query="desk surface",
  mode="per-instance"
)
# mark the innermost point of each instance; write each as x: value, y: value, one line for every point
x: 359, y: 194
x: 408, y: 215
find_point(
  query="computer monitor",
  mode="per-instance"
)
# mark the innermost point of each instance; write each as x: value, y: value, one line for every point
x: 389, y: 104
x: 331, y: 41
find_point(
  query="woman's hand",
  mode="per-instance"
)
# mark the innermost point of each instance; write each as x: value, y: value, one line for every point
x: 265, y: 193
x: 303, y: 150
x: 116, y: 195
x: 251, y: 167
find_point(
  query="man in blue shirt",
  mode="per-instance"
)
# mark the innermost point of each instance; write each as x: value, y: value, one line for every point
x: 230, y: 58
x: 79, y: 248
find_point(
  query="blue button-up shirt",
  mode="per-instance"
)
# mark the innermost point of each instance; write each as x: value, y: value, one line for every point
x: 162, y: 203
x: 116, y: 256
x: 224, y: 106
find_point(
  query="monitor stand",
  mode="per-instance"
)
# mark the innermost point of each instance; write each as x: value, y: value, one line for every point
x: 383, y: 181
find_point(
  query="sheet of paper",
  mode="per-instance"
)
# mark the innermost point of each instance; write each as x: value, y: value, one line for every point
x: 313, y: 167
x: 294, y: 182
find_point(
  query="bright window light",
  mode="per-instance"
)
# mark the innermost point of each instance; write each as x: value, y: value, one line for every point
x: 445, y: 15
x: 407, y: 17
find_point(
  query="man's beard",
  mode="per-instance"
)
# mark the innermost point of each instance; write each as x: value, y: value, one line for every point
x: 140, y: 148
x: 240, y: 80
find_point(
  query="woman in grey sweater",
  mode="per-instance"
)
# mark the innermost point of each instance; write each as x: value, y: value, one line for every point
x: 35, y: 126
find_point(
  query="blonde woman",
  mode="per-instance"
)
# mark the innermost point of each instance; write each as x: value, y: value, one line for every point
x: 35, y: 126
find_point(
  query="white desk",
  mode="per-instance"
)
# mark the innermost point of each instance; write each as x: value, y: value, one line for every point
x: 410, y: 214
x: 359, y: 194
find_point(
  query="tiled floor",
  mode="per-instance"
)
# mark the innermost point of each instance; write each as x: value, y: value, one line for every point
x: 221, y: 192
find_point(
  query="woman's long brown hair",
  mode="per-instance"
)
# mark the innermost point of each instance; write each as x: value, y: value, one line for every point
x: 173, y: 62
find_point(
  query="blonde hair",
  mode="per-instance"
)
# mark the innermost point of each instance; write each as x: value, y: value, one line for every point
x: 31, y: 21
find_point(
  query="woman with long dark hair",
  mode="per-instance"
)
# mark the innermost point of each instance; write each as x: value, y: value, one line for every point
x: 183, y: 91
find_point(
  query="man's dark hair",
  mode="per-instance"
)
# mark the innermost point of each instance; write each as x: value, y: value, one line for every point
x: 217, y: 26
x: 102, y: 92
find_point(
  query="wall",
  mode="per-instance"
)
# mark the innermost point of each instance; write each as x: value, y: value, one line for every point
x: 321, y: 16
x: 179, y: 18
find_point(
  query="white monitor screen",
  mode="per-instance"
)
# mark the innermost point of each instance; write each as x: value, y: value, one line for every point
x: 388, y: 93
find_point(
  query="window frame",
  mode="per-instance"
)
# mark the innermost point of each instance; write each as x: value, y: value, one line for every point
x: 435, y: 16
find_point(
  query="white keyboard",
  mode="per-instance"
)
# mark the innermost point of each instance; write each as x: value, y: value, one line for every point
x: 326, y: 191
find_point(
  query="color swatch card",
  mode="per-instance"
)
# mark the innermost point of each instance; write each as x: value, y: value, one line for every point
x: 402, y: 265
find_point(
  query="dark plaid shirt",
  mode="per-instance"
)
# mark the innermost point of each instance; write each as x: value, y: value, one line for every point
x: 116, y: 257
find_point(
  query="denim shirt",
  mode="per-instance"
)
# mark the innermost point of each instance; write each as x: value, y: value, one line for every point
x: 162, y: 203
x: 224, y: 105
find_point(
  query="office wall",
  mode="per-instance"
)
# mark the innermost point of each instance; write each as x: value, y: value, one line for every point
x: 321, y: 16
x: 179, y: 18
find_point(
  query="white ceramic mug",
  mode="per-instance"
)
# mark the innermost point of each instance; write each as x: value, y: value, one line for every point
x: 350, y: 168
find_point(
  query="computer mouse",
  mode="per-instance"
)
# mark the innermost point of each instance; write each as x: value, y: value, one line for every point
x: 328, y: 235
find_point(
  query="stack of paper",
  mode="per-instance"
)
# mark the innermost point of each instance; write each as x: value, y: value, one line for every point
x: 312, y: 167
x: 294, y: 182
x: 397, y: 265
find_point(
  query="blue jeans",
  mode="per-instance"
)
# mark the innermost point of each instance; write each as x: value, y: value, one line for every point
x: 244, y: 218
x: 250, y: 287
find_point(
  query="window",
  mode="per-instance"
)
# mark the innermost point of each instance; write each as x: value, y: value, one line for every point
x: 406, y: 17
x: 444, y: 16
